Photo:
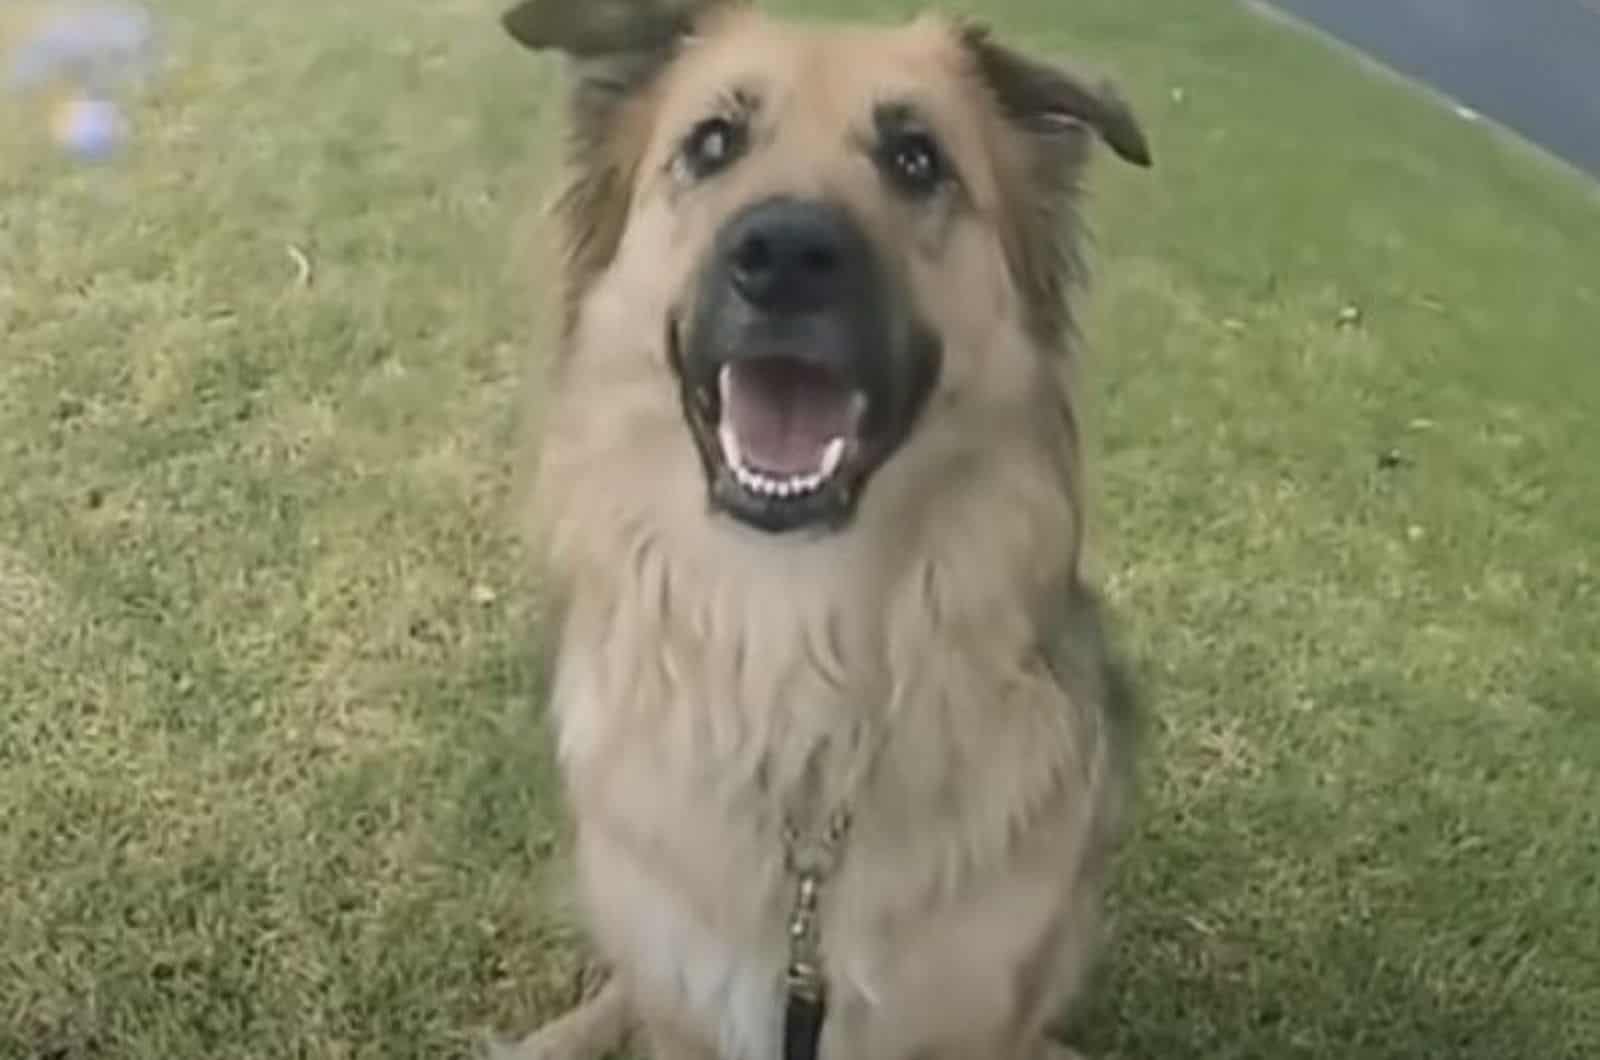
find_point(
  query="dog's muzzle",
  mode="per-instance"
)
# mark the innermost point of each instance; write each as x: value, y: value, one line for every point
x: 802, y: 368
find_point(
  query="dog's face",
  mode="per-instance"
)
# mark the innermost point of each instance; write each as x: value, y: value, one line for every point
x: 825, y: 230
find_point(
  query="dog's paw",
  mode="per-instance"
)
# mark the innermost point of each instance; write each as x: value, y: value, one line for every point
x: 493, y: 1045
x: 597, y: 1028
x: 555, y: 1042
x: 536, y: 1046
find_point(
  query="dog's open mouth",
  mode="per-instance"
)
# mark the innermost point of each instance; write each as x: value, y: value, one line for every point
x: 802, y: 370
x: 787, y: 427
x: 785, y: 439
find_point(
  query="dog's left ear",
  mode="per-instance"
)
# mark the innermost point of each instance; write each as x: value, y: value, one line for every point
x: 1050, y: 100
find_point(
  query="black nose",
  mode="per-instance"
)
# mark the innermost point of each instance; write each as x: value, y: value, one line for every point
x: 792, y: 255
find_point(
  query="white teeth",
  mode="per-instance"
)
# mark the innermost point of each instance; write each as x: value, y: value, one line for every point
x: 832, y: 457
x: 765, y: 485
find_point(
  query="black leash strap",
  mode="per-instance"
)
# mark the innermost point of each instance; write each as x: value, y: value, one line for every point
x: 802, y: 1027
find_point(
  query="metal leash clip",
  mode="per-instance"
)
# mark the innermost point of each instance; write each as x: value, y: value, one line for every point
x: 806, y: 999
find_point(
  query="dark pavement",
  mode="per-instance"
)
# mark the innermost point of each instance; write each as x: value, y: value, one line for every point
x: 1531, y: 65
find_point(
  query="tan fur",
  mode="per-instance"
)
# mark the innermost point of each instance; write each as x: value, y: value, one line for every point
x: 937, y: 665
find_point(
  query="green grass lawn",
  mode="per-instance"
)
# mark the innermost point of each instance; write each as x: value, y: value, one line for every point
x: 272, y: 783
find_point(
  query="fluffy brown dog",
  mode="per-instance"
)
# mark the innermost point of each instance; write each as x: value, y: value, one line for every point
x: 840, y: 727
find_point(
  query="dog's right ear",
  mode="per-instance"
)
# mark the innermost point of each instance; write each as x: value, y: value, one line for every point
x: 616, y: 49
x: 615, y: 44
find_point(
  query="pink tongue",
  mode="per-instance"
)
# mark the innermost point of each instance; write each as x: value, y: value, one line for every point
x: 785, y: 413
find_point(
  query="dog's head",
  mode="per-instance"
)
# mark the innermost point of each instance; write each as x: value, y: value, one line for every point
x: 826, y: 237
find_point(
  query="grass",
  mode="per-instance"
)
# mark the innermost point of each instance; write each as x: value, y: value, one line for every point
x: 271, y: 778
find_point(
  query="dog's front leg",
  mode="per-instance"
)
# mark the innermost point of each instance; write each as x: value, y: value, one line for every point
x: 597, y: 1028
x: 664, y: 1042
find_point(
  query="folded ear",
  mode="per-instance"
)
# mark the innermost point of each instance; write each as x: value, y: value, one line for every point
x: 607, y: 32
x: 1049, y: 100
x: 616, y: 46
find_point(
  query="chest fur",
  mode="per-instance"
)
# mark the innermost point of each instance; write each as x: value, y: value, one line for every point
x: 682, y: 800
x: 698, y: 709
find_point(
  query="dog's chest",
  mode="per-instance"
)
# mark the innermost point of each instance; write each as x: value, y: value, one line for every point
x: 681, y: 802
x: 688, y: 891
x: 682, y: 850
x: 694, y: 902
x: 700, y: 919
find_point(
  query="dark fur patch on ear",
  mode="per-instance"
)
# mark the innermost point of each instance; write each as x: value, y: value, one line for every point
x: 1046, y: 98
x: 588, y: 29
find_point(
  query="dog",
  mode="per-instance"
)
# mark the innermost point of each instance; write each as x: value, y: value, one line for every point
x: 846, y: 740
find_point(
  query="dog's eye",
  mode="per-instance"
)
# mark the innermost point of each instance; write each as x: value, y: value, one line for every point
x: 712, y: 146
x: 914, y: 162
